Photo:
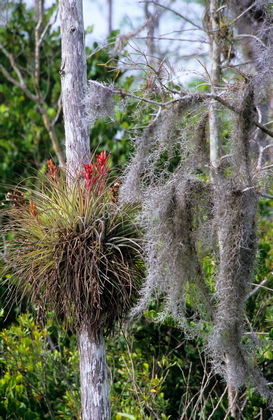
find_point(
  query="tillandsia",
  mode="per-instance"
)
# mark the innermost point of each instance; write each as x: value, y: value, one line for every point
x: 73, y: 247
x: 200, y: 228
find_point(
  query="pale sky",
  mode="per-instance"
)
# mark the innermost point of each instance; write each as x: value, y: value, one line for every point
x: 129, y: 15
x: 96, y: 12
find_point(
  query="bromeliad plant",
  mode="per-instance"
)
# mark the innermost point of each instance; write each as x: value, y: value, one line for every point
x: 73, y: 248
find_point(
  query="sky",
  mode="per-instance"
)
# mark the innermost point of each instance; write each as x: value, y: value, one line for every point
x: 95, y: 13
x: 129, y: 15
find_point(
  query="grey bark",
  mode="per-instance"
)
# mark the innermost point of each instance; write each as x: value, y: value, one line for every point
x: 110, y: 16
x: 94, y: 380
x: 93, y: 368
x: 215, y: 77
x: 253, y: 25
x: 74, y: 86
x: 213, y: 29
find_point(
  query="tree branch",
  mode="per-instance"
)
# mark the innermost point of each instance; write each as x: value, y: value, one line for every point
x: 37, y: 50
x: 19, y: 84
x: 176, y: 13
x: 37, y: 99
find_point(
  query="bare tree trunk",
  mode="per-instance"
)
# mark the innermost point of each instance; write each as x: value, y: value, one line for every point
x: 39, y: 9
x: 94, y: 380
x: 215, y: 78
x: 110, y: 16
x: 213, y: 28
x: 152, y: 19
x: 74, y: 86
x: 232, y: 402
x: 93, y: 368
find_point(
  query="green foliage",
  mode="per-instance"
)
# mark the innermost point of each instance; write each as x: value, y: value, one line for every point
x: 24, y: 140
x: 39, y: 378
x: 154, y: 374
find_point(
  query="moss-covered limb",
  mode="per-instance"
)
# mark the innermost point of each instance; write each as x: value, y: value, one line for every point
x: 200, y: 154
x: 243, y: 129
x: 172, y: 217
x: 162, y: 137
x: 235, y: 212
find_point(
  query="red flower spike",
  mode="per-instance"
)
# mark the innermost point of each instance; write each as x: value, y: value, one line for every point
x: 52, y: 169
x: 33, y: 211
x: 88, y: 175
x: 93, y: 172
x: 102, y: 159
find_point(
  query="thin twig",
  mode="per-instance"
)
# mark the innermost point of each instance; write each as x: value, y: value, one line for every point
x: 218, y: 403
x: 243, y: 13
x: 250, y: 36
x: 176, y: 13
x: 48, y: 25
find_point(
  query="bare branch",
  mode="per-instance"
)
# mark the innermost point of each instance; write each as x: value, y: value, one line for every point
x: 18, y: 84
x: 263, y: 128
x: 60, y: 106
x: 13, y: 65
x: 176, y: 13
x: 160, y: 38
x: 258, y: 287
x: 52, y: 134
x: 250, y: 36
x: 244, y: 12
x: 37, y: 48
x: 48, y: 25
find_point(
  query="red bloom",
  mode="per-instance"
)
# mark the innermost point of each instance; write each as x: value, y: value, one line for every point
x: 102, y: 159
x: 90, y: 179
x: 52, y: 169
x: 33, y: 210
x: 94, y: 171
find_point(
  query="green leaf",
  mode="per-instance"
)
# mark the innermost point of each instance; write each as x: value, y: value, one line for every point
x: 127, y: 416
x: 89, y: 29
x: 270, y: 335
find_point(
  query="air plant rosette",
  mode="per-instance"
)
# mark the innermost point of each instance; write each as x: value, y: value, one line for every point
x: 71, y: 247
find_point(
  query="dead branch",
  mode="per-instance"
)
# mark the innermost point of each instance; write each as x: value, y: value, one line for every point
x: 176, y: 13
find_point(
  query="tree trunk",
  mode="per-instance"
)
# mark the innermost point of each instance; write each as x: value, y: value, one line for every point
x: 93, y: 368
x: 110, y: 16
x: 215, y: 143
x: 94, y: 378
x: 233, y: 402
x: 74, y: 85
x: 215, y: 75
